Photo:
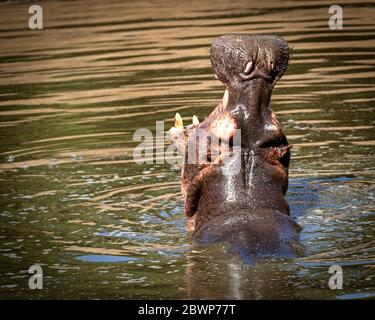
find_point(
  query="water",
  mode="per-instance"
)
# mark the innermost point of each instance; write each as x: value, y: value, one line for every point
x: 101, y: 226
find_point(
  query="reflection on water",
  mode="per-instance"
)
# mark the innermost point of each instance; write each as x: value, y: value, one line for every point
x: 105, y: 258
x: 73, y: 200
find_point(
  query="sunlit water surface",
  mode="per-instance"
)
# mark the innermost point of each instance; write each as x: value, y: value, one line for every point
x: 101, y: 226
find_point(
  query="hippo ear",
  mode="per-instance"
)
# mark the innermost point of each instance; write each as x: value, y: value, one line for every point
x: 282, y: 151
x: 277, y: 155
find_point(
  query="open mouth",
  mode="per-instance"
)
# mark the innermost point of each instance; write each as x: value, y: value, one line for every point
x: 215, y: 131
x: 248, y: 66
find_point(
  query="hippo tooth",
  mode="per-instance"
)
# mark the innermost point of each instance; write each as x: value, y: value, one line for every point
x: 195, y: 120
x: 178, y: 121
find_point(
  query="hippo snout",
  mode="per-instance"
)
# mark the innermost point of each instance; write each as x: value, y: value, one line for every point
x: 237, y: 59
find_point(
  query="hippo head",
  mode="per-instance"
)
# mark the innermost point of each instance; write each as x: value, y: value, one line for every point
x: 249, y: 67
x: 238, y: 59
x: 239, y: 189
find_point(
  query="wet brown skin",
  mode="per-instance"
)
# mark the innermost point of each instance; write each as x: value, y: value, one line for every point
x: 238, y: 194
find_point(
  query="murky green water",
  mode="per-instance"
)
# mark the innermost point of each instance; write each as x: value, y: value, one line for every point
x: 101, y: 226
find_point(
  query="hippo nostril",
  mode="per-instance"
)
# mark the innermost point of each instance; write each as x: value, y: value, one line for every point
x: 271, y: 66
x: 247, y: 73
x: 255, y: 73
x: 249, y: 67
x: 246, y: 76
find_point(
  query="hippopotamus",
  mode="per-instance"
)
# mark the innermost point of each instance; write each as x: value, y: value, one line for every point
x: 234, y: 176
